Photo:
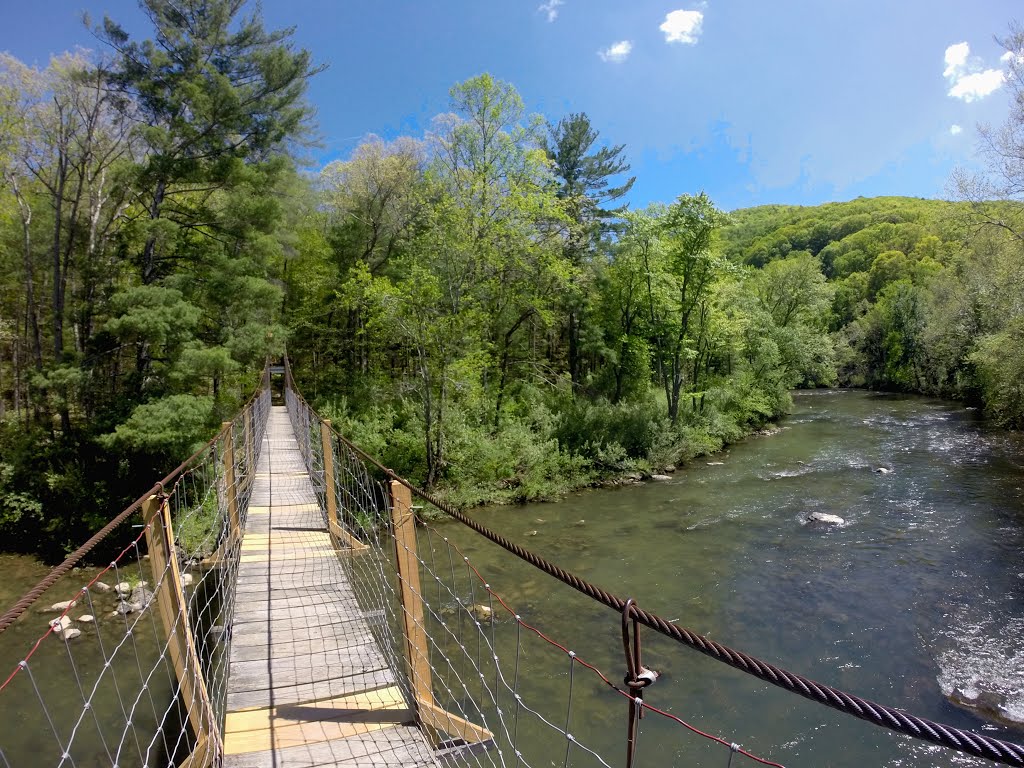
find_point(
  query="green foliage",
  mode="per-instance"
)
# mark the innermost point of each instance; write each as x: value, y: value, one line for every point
x: 170, y: 426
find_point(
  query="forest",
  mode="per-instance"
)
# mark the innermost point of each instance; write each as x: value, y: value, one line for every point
x: 477, y: 305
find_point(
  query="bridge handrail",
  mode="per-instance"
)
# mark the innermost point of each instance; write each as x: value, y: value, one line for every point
x: 891, y: 718
x: 31, y: 596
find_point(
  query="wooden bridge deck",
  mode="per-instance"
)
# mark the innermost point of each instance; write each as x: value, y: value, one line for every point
x: 308, y: 685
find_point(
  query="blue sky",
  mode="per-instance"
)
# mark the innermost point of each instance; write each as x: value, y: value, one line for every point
x: 801, y: 101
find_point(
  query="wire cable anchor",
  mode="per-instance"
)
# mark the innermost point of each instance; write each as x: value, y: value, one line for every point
x: 637, y: 676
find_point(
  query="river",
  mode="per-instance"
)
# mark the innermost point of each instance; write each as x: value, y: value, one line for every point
x: 916, y: 594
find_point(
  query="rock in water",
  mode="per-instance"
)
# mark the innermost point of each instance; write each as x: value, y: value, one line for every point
x: 60, y: 625
x: 824, y: 518
x: 123, y: 589
x: 71, y: 633
x: 140, y: 597
x: 481, y: 613
x: 86, y: 618
x: 63, y: 606
x: 99, y: 586
x: 883, y: 470
x: 660, y: 477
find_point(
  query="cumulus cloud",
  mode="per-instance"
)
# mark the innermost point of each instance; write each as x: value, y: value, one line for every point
x: 682, y: 26
x: 956, y: 60
x: 955, y: 129
x: 968, y: 79
x: 616, y: 52
x: 977, y: 85
x: 551, y: 8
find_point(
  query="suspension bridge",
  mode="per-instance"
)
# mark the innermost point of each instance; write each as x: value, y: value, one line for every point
x: 285, y: 600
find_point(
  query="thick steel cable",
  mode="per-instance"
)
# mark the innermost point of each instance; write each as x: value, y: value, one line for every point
x: 968, y: 742
x: 25, y: 602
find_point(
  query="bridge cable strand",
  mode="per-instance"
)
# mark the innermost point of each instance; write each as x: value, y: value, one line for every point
x: 961, y: 740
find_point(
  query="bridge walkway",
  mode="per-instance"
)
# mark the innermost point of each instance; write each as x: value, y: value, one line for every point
x: 308, y: 684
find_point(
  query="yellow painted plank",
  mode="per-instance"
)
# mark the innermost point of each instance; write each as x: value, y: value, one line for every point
x: 264, y: 728
x: 300, y: 555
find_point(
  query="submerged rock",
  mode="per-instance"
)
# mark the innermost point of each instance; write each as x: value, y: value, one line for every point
x: 660, y: 477
x: 716, y: 463
x: 824, y: 518
x: 481, y: 613
x: 991, y: 704
x: 101, y: 587
x: 882, y: 470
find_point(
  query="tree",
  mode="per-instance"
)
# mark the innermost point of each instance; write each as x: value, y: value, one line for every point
x: 584, y: 178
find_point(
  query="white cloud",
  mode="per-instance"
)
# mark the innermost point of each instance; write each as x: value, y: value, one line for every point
x: 955, y: 129
x: 977, y: 85
x: 956, y: 60
x: 616, y: 52
x: 551, y: 8
x: 968, y: 79
x: 682, y: 26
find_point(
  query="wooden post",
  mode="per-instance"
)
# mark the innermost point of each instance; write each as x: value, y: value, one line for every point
x: 417, y: 651
x: 250, y: 447
x: 330, y: 490
x: 234, y: 521
x: 339, y: 534
x: 169, y: 602
x: 434, y: 719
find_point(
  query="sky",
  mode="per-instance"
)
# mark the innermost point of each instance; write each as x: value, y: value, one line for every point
x: 753, y: 101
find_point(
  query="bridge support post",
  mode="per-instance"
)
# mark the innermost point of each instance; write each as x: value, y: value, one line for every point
x: 231, y: 491
x: 170, y: 603
x: 339, y: 534
x: 250, y: 447
x: 435, y: 720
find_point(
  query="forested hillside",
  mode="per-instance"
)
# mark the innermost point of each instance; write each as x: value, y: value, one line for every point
x: 927, y: 294
x: 474, y: 305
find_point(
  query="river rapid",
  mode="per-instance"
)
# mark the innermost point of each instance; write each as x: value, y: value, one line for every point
x: 917, y: 594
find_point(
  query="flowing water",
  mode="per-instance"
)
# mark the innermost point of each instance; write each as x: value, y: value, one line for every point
x: 917, y: 594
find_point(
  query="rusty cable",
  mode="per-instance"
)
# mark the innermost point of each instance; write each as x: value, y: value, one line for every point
x: 968, y: 742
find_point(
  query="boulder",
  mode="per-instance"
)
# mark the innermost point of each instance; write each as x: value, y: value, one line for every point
x: 86, y: 618
x: 101, y: 587
x: 124, y: 608
x: 60, y: 625
x: 71, y: 633
x: 883, y: 470
x: 670, y: 469
x: 991, y: 704
x: 660, y: 477
x: 63, y: 606
x: 481, y: 613
x: 140, y: 597
x: 123, y: 589
x: 716, y: 463
x: 824, y: 518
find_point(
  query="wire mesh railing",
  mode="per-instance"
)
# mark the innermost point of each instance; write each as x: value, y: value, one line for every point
x: 133, y: 668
